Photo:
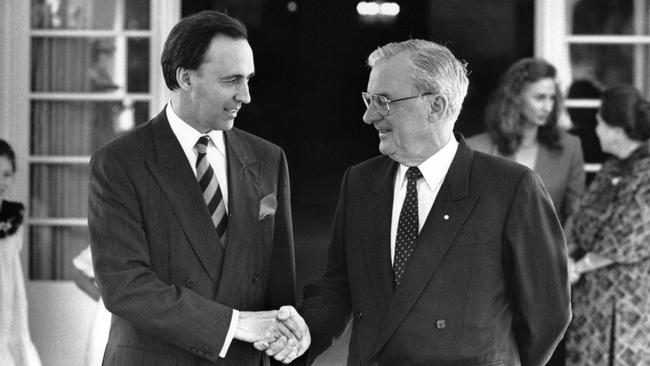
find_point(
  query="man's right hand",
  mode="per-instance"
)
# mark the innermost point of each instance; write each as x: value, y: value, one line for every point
x: 288, y: 349
x: 264, y: 326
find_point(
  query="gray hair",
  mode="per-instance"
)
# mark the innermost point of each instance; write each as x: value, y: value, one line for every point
x: 435, y: 69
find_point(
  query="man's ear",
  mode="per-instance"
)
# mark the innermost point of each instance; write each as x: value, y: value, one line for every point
x: 437, y: 107
x: 183, y: 78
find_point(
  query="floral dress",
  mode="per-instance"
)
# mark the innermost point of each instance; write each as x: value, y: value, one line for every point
x: 16, y: 347
x: 611, y: 305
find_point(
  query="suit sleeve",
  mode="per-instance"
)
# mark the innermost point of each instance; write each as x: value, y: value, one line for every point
x: 541, y: 290
x: 130, y: 288
x: 282, y: 279
x: 326, y: 305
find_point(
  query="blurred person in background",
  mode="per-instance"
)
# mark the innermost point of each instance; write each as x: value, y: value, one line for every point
x: 522, y: 125
x: 609, y: 236
x: 16, y: 347
x: 84, y: 278
x: 522, y: 121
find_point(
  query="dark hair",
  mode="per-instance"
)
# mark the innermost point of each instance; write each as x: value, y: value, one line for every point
x: 8, y: 152
x: 503, y: 115
x: 190, y: 38
x: 623, y: 106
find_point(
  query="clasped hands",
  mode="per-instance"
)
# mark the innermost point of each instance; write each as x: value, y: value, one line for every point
x: 282, y: 334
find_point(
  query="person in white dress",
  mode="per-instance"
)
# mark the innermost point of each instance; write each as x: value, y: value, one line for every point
x: 16, y: 346
x: 98, y: 336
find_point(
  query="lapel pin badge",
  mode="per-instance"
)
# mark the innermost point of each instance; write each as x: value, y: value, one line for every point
x: 446, y: 217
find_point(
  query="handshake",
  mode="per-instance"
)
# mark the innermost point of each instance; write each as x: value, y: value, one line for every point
x: 282, y: 334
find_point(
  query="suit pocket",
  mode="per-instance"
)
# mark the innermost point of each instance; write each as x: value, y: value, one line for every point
x: 268, y: 205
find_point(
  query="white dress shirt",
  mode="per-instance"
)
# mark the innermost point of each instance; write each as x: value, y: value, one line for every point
x: 187, y: 136
x: 434, y: 170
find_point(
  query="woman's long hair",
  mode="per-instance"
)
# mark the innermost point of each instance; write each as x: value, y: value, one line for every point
x: 503, y: 115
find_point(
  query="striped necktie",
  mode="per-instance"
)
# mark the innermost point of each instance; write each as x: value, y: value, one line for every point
x: 211, y: 190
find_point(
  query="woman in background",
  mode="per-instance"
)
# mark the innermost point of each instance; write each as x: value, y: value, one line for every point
x: 16, y: 347
x: 610, y: 234
x: 522, y: 125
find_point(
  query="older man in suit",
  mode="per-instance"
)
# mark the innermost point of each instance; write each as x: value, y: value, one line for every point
x: 441, y: 255
x: 190, y: 218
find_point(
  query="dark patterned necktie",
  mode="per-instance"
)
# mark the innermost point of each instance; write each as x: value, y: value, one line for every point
x: 407, y: 227
x: 211, y: 190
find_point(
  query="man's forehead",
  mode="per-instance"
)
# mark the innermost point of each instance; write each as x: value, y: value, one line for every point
x: 389, y: 76
x: 230, y: 56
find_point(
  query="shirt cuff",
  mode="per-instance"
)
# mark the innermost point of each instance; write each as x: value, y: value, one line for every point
x: 234, y: 321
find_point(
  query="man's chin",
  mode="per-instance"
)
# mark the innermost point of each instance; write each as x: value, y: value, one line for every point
x: 385, y: 150
x: 226, y: 125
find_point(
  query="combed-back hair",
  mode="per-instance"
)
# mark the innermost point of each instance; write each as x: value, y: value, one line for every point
x: 435, y: 69
x: 190, y: 38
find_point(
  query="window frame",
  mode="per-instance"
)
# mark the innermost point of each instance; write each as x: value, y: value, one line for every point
x: 15, y: 52
x: 552, y: 29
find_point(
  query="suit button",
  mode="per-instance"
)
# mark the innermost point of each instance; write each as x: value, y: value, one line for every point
x: 441, y: 324
x: 359, y: 315
x: 255, y: 277
x: 189, y: 283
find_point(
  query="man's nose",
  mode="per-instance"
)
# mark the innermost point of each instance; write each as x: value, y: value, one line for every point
x: 243, y: 94
x: 371, y: 115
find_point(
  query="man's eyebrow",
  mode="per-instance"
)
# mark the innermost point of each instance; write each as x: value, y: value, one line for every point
x: 237, y: 76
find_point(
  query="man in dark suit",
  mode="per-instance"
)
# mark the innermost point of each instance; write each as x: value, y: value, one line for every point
x: 190, y: 218
x: 441, y: 255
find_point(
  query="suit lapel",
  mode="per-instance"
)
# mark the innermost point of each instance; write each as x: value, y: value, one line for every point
x: 243, y: 209
x: 177, y: 181
x: 450, y: 210
x: 377, y: 240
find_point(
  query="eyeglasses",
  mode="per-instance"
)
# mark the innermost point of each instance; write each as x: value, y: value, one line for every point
x: 382, y: 104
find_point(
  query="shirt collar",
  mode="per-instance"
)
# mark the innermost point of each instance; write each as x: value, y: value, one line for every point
x: 187, y: 136
x: 435, y: 168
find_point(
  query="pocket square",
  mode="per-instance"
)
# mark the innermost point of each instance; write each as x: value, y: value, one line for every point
x: 268, y: 204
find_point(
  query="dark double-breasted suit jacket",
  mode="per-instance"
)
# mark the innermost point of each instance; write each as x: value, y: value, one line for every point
x: 486, y: 285
x: 162, y: 273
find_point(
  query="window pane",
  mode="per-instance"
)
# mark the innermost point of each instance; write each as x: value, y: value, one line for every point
x: 138, y: 65
x: 606, y: 65
x: 136, y: 14
x: 75, y: 128
x: 58, y: 190
x: 52, y: 250
x: 75, y: 14
x: 614, y: 17
x: 73, y: 65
